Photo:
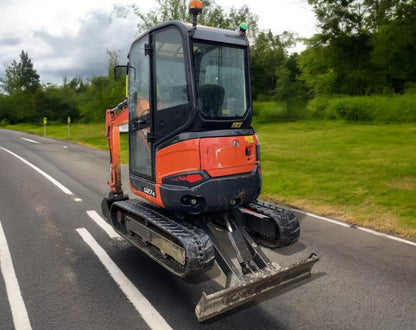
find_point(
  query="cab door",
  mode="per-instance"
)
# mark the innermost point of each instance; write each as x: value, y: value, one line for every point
x: 140, y: 111
x: 158, y: 99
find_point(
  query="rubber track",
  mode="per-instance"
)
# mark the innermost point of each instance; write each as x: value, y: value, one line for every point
x: 286, y: 221
x: 198, y: 246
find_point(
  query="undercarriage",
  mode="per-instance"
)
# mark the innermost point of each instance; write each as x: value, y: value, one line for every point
x: 187, y: 244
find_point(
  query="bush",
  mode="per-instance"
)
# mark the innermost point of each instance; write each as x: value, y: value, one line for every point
x: 4, y: 122
x: 278, y: 111
x: 318, y: 108
x: 384, y: 109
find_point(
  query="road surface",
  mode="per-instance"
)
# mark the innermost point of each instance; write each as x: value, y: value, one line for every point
x: 61, y: 270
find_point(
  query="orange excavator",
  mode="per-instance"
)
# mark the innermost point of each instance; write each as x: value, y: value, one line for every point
x: 194, y: 165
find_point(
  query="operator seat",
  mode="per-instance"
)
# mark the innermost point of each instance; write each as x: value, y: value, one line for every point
x: 210, y: 99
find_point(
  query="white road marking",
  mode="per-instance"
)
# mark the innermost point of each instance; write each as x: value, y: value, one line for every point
x: 149, y: 314
x: 398, y: 239
x: 47, y: 176
x: 20, y: 316
x: 29, y: 140
x: 343, y: 224
x: 339, y: 223
x: 103, y: 224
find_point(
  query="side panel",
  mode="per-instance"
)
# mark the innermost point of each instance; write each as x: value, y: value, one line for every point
x: 153, y: 195
x: 181, y: 157
x: 228, y: 155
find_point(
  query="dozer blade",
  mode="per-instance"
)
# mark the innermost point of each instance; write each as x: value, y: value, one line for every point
x: 254, y: 286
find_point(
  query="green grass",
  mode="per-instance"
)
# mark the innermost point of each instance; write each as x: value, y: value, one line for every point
x: 364, y: 174
x: 359, y: 173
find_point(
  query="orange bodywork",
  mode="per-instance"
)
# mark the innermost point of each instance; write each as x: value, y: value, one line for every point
x: 217, y: 156
x: 155, y: 200
x: 180, y: 157
x: 228, y: 155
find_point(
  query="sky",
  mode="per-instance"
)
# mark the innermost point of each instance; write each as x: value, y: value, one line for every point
x: 69, y: 38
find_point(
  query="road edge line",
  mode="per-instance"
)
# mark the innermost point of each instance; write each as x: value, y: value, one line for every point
x: 37, y: 169
x: 346, y: 225
x: 46, y: 175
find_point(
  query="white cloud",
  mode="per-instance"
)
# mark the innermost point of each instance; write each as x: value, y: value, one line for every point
x: 71, y: 54
x: 70, y: 37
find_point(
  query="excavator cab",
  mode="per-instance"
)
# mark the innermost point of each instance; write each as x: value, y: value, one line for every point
x: 194, y: 165
x: 190, y: 109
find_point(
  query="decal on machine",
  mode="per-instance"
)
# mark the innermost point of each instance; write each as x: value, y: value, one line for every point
x: 249, y: 139
x: 149, y: 191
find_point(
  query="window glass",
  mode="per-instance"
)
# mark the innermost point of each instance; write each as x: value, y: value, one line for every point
x: 138, y: 103
x: 170, y: 69
x: 171, y: 87
x: 138, y: 79
x: 221, y: 80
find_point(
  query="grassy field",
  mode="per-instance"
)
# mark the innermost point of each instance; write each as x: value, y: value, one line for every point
x: 360, y: 173
x: 363, y: 174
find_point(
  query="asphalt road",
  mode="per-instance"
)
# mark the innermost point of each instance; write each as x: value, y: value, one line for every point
x: 362, y: 281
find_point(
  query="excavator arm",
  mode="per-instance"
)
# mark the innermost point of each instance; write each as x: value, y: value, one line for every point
x: 114, y: 118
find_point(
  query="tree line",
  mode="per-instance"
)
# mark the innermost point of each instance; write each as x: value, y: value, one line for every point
x: 363, y: 48
x: 25, y: 99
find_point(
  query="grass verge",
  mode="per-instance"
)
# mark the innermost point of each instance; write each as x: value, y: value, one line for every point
x: 363, y: 174
x: 360, y: 173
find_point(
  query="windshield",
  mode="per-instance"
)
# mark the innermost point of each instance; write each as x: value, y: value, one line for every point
x: 221, y: 80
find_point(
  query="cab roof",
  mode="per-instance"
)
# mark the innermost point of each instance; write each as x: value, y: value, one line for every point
x: 202, y: 32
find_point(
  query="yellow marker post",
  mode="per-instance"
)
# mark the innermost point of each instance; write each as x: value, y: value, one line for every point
x: 69, y: 126
x: 45, y: 122
x: 127, y: 85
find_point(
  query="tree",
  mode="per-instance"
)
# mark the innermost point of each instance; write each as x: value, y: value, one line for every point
x: 22, y: 85
x: 288, y: 85
x: 102, y: 93
x: 394, y: 53
x: 21, y: 76
x: 350, y: 17
x: 316, y: 72
x: 112, y: 61
x: 267, y: 54
x: 337, y: 17
x: 364, y: 47
x: 212, y: 15
x: 378, y: 13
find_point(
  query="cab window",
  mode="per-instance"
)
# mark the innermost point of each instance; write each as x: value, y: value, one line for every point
x: 172, y: 103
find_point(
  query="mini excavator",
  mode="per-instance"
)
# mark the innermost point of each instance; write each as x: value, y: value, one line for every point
x: 194, y: 165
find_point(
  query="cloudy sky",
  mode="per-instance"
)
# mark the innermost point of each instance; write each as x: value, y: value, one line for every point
x: 70, y: 37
